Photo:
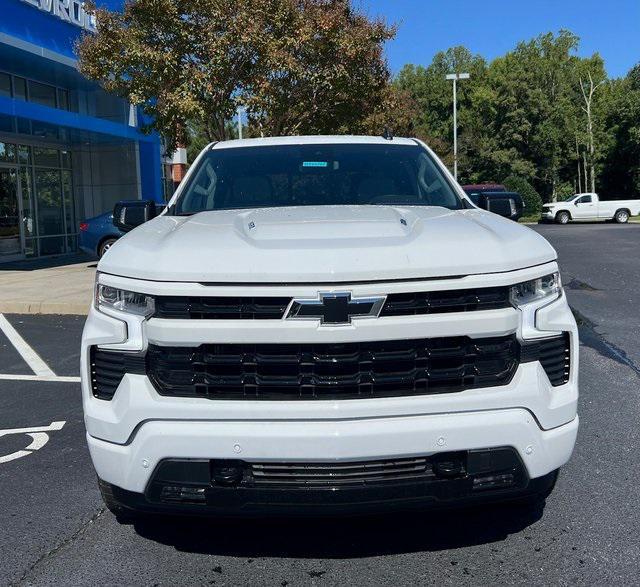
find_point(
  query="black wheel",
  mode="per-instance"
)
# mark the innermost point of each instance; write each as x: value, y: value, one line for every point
x: 105, y: 245
x: 123, y: 515
x: 621, y: 216
x: 562, y: 217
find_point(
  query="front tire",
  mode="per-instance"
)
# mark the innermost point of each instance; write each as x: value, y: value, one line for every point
x: 123, y: 515
x: 563, y: 217
x: 621, y: 217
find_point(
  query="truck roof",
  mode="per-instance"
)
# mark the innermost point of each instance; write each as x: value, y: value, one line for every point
x: 313, y: 140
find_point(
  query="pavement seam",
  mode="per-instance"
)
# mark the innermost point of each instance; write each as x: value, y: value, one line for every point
x: 58, y: 548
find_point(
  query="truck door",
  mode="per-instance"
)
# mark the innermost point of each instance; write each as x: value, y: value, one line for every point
x: 585, y: 208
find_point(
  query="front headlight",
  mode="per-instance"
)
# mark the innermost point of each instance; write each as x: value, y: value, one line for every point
x: 547, y: 287
x: 108, y: 297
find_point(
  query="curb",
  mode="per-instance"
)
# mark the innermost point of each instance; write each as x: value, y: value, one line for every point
x: 76, y: 309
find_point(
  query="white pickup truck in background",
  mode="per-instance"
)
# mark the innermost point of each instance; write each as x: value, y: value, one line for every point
x: 590, y: 207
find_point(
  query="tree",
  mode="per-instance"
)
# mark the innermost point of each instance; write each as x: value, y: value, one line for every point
x: 620, y: 105
x: 430, y: 91
x: 397, y: 113
x: 588, y: 88
x: 323, y: 70
x: 530, y: 197
x: 525, y: 114
x: 296, y: 65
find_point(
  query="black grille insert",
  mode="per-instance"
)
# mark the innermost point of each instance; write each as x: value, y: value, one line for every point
x: 440, y: 302
x: 333, y: 371
x: 221, y: 308
x: 554, y: 354
x: 108, y: 369
x: 274, y: 308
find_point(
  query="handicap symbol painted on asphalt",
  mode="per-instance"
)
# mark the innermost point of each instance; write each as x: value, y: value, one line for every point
x: 39, y: 438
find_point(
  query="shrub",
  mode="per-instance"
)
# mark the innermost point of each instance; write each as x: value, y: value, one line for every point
x: 531, y: 198
x: 564, y: 190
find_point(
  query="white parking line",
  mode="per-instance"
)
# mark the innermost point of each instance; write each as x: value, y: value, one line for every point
x: 41, y: 370
x: 39, y: 438
x: 37, y: 365
x: 54, y: 378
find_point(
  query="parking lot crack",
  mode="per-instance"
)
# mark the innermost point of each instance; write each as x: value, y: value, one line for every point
x: 51, y: 553
x: 592, y: 338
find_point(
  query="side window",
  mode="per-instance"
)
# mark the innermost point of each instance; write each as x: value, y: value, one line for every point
x: 431, y: 184
x: 585, y: 200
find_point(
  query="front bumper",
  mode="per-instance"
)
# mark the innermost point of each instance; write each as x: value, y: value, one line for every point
x: 547, y: 215
x: 131, y: 466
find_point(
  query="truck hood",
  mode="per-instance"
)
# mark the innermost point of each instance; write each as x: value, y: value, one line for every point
x: 325, y: 244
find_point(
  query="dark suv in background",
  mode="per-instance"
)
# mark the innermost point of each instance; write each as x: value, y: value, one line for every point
x: 494, y: 197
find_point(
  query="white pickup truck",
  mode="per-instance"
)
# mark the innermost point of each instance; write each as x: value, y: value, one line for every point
x: 589, y: 206
x: 325, y: 324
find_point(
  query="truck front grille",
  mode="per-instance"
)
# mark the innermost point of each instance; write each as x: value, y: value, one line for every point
x: 274, y: 308
x: 333, y: 371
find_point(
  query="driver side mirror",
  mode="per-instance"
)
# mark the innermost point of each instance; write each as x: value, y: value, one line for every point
x: 131, y: 213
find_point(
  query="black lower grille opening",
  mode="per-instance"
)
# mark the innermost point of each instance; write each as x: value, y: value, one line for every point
x: 445, y: 475
x: 337, y: 474
x: 108, y: 369
x: 333, y: 371
x: 554, y: 354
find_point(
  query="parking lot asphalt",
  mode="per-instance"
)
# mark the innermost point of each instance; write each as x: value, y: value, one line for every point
x: 54, y: 529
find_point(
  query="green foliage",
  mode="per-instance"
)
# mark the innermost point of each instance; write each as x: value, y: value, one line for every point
x: 531, y: 198
x: 524, y: 114
x: 564, y: 190
x: 296, y: 66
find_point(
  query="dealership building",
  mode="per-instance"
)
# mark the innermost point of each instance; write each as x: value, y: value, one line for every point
x: 68, y: 150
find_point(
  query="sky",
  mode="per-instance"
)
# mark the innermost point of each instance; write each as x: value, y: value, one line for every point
x: 493, y: 27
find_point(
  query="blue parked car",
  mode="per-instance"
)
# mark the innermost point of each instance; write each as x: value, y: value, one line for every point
x: 97, y: 234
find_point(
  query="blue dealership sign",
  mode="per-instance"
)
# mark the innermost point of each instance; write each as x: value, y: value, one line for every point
x: 52, y: 25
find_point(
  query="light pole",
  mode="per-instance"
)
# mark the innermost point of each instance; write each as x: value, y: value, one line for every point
x: 455, y: 77
x: 240, y: 109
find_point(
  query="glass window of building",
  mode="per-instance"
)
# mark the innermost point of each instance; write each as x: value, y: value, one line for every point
x: 43, y: 194
x: 42, y: 94
x: 5, y: 84
x: 7, y: 153
x: 65, y: 157
x: 63, y: 99
x: 24, y: 154
x: 50, y: 211
x: 46, y: 157
x: 28, y: 218
x: 19, y: 88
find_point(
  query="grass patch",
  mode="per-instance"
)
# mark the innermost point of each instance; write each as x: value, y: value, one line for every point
x: 530, y: 218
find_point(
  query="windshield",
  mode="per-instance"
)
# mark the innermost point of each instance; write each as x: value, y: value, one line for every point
x: 569, y: 198
x: 316, y: 175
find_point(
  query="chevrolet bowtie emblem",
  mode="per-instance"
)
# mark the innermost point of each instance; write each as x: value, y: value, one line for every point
x: 335, y: 308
